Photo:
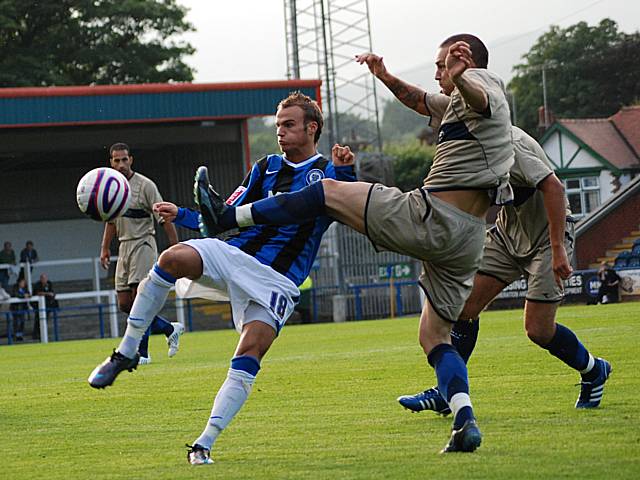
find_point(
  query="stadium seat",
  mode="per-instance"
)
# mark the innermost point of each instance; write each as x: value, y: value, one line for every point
x: 633, y: 262
x: 621, y: 262
x: 624, y: 255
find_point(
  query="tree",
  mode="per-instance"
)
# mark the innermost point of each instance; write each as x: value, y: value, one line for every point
x: 399, y: 122
x: 590, y: 72
x: 262, y: 138
x: 411, y: 163
x: 78, y: 42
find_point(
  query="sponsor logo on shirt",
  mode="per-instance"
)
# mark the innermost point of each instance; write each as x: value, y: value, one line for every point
x: 236, y: 194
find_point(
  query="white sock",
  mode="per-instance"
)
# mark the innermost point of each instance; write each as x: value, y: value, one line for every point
x: 243, y: 216
x: 151, y: 296
x: 229, y: 400
x: 590, y: 364
x: 458, y: 401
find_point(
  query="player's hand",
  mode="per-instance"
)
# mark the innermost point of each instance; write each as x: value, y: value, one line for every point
x: 374, y: 62
x: 167, y: 210
x: 342, y: 156
x: 105, y: 261
x: 458, y: 59
x: 561, y: 267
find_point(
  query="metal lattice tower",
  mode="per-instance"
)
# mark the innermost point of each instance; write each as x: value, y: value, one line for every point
x: 323, y: 37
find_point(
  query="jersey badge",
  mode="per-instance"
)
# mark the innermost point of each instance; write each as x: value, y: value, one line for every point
x: 314, y: 175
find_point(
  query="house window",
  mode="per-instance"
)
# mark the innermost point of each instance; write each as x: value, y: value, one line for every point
x: 583, y: 194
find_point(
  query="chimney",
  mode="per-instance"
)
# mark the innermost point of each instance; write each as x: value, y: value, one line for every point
x: 545, y: 121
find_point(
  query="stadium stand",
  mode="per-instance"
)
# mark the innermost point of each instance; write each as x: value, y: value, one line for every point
x: 611, y: 229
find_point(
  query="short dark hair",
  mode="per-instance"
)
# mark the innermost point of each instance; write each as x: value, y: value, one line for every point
x: 479, y: 52
x: 119, y: 146
x: 309, y: 106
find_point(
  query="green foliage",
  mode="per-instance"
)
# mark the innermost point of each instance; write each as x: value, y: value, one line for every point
x: 324, y: 406
x: 262, y: 138
x: 353, y: 127
x: 78, y: 42
x: 411, y: 164
x: 400, y: 123
x: 263, y: 144
x: 591, y: 72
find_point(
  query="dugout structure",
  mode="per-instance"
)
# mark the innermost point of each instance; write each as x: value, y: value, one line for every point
x: 51, y: 136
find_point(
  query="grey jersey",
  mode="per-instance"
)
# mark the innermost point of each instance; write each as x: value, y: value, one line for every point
x: 474, y: 149
x: 523, y: 226
x: 137, y: 221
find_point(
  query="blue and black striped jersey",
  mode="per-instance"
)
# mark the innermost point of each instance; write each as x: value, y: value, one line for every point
x: 288, y: 249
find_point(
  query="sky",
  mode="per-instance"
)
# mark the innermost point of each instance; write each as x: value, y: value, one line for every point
x: 244, y: 40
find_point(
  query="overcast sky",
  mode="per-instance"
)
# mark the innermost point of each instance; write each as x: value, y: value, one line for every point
x: 240, y: 40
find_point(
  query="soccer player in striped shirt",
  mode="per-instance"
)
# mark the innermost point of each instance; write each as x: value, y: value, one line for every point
x: 259, y: 269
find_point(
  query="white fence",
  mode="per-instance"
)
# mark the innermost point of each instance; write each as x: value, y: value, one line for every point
x: 112, y: 309
x: 92, y: 262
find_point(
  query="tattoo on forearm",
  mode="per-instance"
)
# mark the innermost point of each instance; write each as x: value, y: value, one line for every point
x: 411, y: 96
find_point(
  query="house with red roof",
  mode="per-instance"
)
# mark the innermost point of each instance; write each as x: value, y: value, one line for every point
x: 594, y: 157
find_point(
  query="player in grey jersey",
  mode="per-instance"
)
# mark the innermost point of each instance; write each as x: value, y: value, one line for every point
x: 527, y: 242
x: 137, y: 251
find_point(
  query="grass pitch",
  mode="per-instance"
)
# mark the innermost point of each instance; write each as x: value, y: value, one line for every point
x: 324, y: 406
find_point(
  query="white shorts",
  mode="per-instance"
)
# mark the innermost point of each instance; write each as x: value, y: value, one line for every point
x: 256, y: 291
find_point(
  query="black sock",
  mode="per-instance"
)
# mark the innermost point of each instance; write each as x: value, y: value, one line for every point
x: 464, y: 336
x: 566, y: 346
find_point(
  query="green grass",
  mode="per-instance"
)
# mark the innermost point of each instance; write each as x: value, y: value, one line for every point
x: 324, y: 407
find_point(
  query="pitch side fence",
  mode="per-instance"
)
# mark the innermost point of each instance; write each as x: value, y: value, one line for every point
x: 352, y: 281
x: 360, y: 302
x: 104, y: 313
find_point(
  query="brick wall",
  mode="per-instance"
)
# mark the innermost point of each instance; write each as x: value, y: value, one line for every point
x: 607, y: 232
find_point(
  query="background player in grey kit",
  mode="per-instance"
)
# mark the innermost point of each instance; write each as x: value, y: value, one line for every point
x: 533, y: 238
x: 137, y: 251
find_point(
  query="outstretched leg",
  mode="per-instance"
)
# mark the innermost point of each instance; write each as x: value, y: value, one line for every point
x: 343, y: 201
x: 178, y: 261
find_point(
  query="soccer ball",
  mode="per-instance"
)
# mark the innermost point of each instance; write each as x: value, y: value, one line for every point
x: 103, y: 194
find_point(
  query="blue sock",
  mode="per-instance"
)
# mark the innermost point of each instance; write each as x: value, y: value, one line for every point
x: 246, y: 363
x: 464, y: 336
x: 566, y: 346
x: 284, y: 209
x: 451, y: 372
x: 143, y: 348
x: 161, y: 325
x: 228, y: 219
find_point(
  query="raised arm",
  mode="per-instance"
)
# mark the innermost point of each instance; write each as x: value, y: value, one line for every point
x: 172, y: 214
x: 554, y: 204
x: 410, y: 95
x: 457, y: 61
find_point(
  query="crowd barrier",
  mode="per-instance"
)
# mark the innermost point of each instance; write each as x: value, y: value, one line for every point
x: 108, y: 309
